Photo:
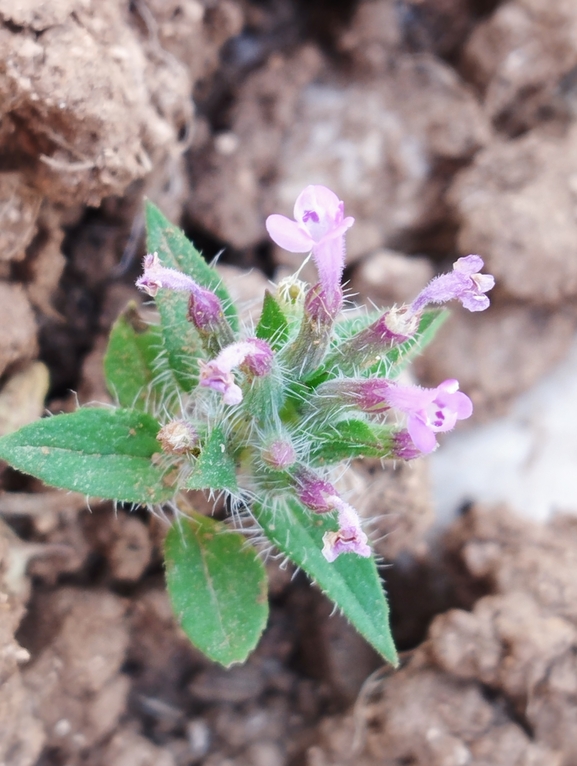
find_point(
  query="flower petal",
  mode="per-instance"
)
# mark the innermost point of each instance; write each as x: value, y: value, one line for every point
x: 329, y: 258
x: 232, y: 395
x: 409, y: 399
x: 473, y: 302
x: 462, y: 405
x: 319, y: 199
x: 470, y: 264
x: 422, y: 436
x: 484, y: 282
x: 450, y: 386
x: 288, y: 234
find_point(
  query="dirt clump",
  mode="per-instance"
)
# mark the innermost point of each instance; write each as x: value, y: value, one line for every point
x: 18, y: 338
x: 507, y: 200
x: 23, y: 735
x: 93, y: 117
x: 422, y: 716
x: 194, y: 31
x: 523, y: 59
x: 522, y: 641
x: 388, y: 145
x: 19, y: 206
x: 76, y: 687
x: 233, y: 169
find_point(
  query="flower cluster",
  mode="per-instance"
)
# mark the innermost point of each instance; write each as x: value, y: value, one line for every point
x: 288, y: 394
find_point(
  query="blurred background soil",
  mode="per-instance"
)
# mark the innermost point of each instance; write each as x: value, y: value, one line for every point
x: 448, y: 127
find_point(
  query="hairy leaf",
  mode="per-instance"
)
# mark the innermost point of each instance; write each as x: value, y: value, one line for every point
x: 101, y: 452
x: 218, y: 588
x: 214, y: 468
x: 347, y: 439
x: 133, y: 363
x: 351, y: 581
x: 273, y: 324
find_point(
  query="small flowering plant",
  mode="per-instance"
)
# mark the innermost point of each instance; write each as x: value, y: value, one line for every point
x: 259, y: 415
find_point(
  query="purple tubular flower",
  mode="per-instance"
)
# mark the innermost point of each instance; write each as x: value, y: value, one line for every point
x: 429, y: 410
x: 350, y: 538
x: 321, y: 497
x: 254, y: 356
x: 204, y: 307
x: 319, y: 226
x: 464, y: 284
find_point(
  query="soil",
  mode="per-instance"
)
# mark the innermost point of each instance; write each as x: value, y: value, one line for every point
x: 448, y: 127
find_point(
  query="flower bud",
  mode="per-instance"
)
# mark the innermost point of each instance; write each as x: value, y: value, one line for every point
x: 290, y: 294
x: 178, y: 437
x: 403, y: 447
x: 279, y: 454
x: 308, y: 349
x: 204, y: 308
x: 255, y: 358
x: 314, y: 492
x: 364, y: 349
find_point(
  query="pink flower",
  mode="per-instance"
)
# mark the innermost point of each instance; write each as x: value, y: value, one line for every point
x: 464, y: 284
x: 205, y: 308
x: 349, y: 538
x: 319, y: 226
x: 429, y: 410
x: 254, y: 355
x: 321, y: 497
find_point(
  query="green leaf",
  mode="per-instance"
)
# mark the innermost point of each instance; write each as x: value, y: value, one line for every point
x: 214, y: 468
x: 273, y: 324
x: 133, y: 361
x: 347, y: 439
x: 217, y: 586
x: 181, y: 340
x: 101, y: 452
x: 351, y: 581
